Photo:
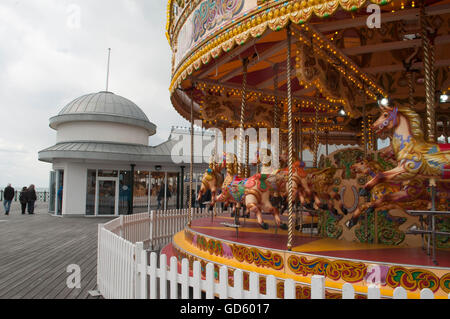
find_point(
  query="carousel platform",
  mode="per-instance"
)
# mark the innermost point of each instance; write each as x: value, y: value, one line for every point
x: 264, y: 251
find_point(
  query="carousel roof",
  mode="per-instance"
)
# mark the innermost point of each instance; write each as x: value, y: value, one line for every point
x: 338, y: 62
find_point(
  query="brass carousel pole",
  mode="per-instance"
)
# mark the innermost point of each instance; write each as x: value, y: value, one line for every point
x: 291, y: 136
x: 363, y: 92
x: 241, y: 132
x: 364, y: 123
x: 300, y: 132
x: 191, y: 169
x: 428, y: 55
x: 241, y: 126
x: 316, y: 137
x: 300, y: 129
x: 247, y: 157
x: 276, y: 115
x: 410, y: 76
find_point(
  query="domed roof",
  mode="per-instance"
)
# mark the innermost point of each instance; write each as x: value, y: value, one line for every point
x: 104, y: 107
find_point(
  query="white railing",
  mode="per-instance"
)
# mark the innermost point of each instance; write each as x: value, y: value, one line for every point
x: 125, y: 270
x: 174, y: 285
x: 115, y: 265
x: 117, y: 246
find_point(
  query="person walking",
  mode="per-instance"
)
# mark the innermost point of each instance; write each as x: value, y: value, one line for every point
x: 161, y: 195
x: 31, y: 199
x: 23, y: 199
x: 8, y: 196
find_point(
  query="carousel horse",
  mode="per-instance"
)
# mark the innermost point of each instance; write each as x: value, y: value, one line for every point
x: 253, y: 192
x: 417, y: 160
x: 300, y: 185
x: 371, y: 168
x: 212, y: 180
x: 320, y: 182
x: 258, y: 190
x: 233, y: 187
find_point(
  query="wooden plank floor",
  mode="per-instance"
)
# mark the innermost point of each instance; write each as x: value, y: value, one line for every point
x: 35, y: 251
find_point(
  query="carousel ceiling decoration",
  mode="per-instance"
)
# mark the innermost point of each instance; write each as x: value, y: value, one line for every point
x: 271, y: 14
x: 321, y: 64
x: 220, y: 106
x: 338, y: 64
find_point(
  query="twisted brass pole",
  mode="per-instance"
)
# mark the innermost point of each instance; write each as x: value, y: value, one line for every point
x: 429, y: 76
x: 300, y: 128
x: 247, y: 156
x: 191, y: 169
x: 276, y: 115
x: 316, y: 136
x: 410, y: 76
x: 241, y: 131
x: 365, y: 123
x: 291, y: 150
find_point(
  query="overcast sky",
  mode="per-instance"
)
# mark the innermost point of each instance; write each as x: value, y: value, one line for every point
x: 53, y: 51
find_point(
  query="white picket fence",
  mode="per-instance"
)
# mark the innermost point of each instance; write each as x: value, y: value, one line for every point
x: 125, y: 270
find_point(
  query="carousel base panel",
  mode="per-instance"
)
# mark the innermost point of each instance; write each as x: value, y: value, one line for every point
x: 252, y: 248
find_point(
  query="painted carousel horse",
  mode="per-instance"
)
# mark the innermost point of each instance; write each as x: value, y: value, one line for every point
x: 233, y: 187
x: 258, y: 190
x: 300, y: 185
x: 372, y: 168
x: 417, y: 160
x: 253, y: 192
x: 323, y: 195
x: 212, y: 180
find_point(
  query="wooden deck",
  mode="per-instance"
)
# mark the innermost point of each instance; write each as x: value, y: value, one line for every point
x: 35, y: 251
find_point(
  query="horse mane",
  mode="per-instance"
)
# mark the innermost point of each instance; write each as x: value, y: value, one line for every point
x: 415, y: 122
x: 374, y: 165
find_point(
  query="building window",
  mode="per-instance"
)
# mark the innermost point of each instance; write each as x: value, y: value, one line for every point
x: 141, y: 191
x: 90, y: 192
x: 52, y: 189
x: 107, y: 173
x: 59, y: 192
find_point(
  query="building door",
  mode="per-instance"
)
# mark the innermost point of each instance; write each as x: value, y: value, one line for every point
x: 59, y: 191
x: 107, y: 199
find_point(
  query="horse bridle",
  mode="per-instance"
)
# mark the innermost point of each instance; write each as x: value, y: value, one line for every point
x: 392, y: 117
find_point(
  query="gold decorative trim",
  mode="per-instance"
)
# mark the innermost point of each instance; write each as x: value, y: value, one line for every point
x: 275, y: 16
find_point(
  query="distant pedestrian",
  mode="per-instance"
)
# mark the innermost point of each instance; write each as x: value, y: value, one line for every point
x: 23, y: 199
x: 60, y: 198
x: 31, y: 199
x: 8, y: 196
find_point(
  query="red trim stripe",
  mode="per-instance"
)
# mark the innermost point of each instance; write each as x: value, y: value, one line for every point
x: 444, y: 147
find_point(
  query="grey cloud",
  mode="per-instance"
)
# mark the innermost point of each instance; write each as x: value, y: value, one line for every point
x: 46, y: 62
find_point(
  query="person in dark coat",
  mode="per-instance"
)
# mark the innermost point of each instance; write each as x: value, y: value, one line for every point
x: 160, y: 195
x: 8, y: 196
x: 31, y: 199
x: 23, y: 199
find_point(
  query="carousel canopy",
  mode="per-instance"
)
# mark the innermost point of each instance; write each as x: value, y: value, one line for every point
x: 341, y: 64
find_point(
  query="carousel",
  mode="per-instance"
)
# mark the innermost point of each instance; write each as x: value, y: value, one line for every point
x: 315, y: 73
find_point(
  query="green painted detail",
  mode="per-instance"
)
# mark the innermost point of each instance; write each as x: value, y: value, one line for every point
x: 443, y: 225
x: 388, y: 232
x: 329, y: 226
x: 263, y: 181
